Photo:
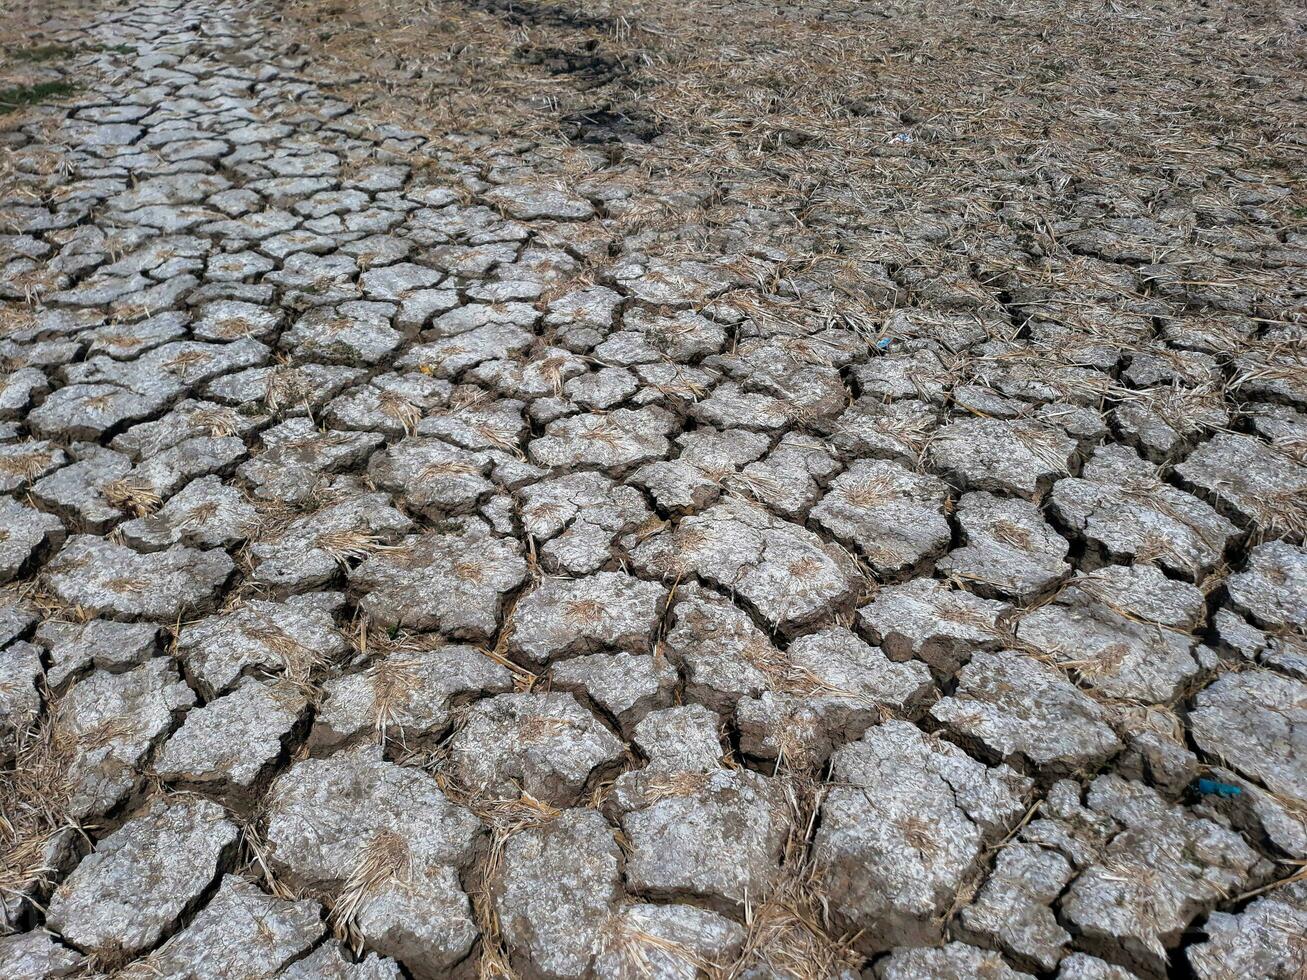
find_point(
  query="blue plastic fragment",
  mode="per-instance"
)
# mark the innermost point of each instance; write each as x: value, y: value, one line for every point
x: 1212, y: 787
x: 883, y: 343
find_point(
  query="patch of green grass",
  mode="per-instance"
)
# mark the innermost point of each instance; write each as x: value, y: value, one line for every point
x: 25, y: 95
x: 41, y: 52
x: 115, y: 48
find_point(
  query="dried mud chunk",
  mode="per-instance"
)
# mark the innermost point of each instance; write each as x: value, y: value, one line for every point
x: 101, y: 643
x: 108, y: 579
x: 296, y: 452
x: 353, y: 334
x: 732, y: 407
x: 784, y: 571
x: 24, y: 534
x: 647, y: 337
x: 451, y: 583
x: 954, y: 961
x: 1261, y: 814
x: 451, y: 356
x: 188, y: 419
x: 476, y: 423
x: 16, y: 616
x: 627, y: 686
x: 1256, y: 721
x: 315, y: 280
x: 384, y: 846
x: 786, y: 481
x: 1162, y: 869
x: 1078, y: 966
x: 606, y: 611
x: 473, y: 317
x: 1245, y: 477
x: 269, y: 637
x: 614, y: 441
x: 1123, y: 507
x: 176, y: 466
x: 169, y: 189
x: 871, y: 429
x: 1272, y: 588
x: 112, y: 721
x: 662, y: 282
x: 391, y: 404
x: 893, y: 517
x: 1010, y: 552
x: 315, y: 547
x: 165, y: 372
x: 1065, y: 825
x: 527, y: 202
x: 541, y: 375
x: 435, y: 478
x: 546, y: 745
x: 579, y: 516
x: 18, y: 389
x: 1021, y: 457
x: 93, y: 493
x: 1162, y: 365
x: 678, y: 739
x: 233, y: 739
x: 581, y: 319
x: 328, y: 962
x: 1279, y: 425
x: 828, y: 688
x: 20, y: 701
x: 406, y: 696
x: 127, y: 341
x: 904, y: 827
x: 90, y: 411
x: 694, y: 479
x: 670, y: 942
x: 36, y: 956
x: 206, y: 514
x: 724, y: 655
x: 23, y: 462
x: 395, y: 282
x: 927, y: 620
x: 1147, y: 593
x: 717, y: 834
x: 1013, y: 909
x: 906, y: 374
x: 232, y: 320
x: 1021, y: 710
x: 241, y: 932
x: 1274, y: 374
x: 142, y: 877
x: 282, y: 390
x: 601, y: 389
x: 556, y: 895
x: 1123, y: 630
x: 677, y: 385
x: 1264, y: 940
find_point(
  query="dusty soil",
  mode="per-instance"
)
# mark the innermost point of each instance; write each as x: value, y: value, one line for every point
x: 652, y: 490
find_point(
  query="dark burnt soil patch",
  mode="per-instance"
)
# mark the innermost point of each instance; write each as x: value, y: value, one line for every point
x: 527, y: 14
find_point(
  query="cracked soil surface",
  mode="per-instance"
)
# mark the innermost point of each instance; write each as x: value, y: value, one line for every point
x: 640, y: 490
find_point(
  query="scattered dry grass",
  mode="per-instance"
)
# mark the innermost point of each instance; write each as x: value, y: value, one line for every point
x: 35, y: 799
x: 131, y: 495
x: 26, y: 465
x: 348, y: 545
x: 384, y: 861
x: 299, y: 662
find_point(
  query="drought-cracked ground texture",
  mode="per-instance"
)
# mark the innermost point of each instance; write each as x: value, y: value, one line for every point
x: 650, y: 489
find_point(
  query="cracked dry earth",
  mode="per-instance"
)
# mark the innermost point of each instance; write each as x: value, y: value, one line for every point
x: 414, y: 570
